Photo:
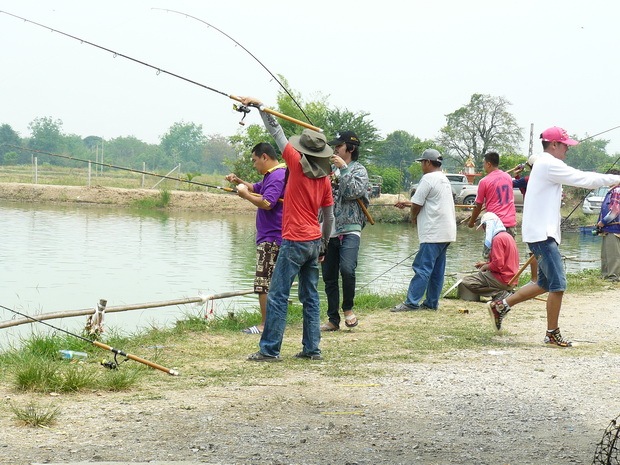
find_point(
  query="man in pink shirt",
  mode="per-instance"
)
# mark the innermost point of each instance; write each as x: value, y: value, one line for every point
x: 495, y: 193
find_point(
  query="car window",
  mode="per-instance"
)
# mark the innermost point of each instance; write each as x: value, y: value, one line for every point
x: 601, y: 191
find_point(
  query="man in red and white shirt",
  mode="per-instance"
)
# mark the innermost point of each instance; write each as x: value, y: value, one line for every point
x: 495, y: 193
x: 495, y: 274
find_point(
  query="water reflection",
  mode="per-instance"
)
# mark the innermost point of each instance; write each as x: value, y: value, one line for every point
x: 66, y: 257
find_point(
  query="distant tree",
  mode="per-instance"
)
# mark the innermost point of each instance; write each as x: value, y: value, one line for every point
x: 396, y: 150
x: 242, y: 143
x: 46, y: 135
x: 91, y: 142
x: 10, y: 137
x: 217, y: 151
x: 484, y: 124
x: 184, y: 143
x: 131, y: 152
x: 590, y: 155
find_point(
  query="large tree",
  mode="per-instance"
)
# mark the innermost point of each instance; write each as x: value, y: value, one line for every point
x: 484, y: 124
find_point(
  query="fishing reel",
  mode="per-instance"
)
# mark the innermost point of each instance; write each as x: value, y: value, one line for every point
x: 242, y: 109
x: 112, y: 365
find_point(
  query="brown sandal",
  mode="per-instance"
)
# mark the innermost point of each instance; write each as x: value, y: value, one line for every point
x: 329, y: 326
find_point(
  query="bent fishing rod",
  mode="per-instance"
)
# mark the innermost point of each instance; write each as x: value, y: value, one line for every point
x: 187, y: 15
x: 242, y: 108
x: 101, y: 345
x: 359, y: 201
x: 163, y: 176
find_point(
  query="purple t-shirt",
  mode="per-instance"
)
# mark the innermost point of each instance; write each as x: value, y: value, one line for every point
x: 269, y: 222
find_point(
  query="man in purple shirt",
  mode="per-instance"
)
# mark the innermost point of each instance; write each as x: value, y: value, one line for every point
x: 265, y: 195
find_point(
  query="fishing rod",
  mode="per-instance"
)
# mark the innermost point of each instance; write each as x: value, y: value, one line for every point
x: 359, y: 201
x: 242, y: 108
x: 245, y: 49
x: 101, y: 345
x: 164, y: 176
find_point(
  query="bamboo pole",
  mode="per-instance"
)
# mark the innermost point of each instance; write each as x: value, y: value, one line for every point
x: 123, y: 308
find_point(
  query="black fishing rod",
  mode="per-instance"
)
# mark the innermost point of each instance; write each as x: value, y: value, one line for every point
x: 243, y: 109
x: 68, y: 157
x: 249, y: 53
x: 101, y: 345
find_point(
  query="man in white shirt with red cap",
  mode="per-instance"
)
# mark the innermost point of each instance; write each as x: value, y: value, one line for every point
x: 541, y: 228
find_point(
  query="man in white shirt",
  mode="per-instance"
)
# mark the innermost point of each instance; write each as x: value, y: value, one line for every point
x: 541, y: 228
x: 432, y: 207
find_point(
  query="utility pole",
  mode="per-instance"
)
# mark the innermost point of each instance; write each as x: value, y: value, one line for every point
x: 530, y: 151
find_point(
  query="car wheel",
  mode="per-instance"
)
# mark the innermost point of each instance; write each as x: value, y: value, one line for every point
x: 469, y: 200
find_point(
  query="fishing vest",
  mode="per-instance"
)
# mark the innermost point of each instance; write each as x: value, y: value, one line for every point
x: 610, y: 212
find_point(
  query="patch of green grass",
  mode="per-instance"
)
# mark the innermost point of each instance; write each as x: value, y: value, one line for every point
x: 586, y: 281
x: 160, y: 201
x: 35, y: 416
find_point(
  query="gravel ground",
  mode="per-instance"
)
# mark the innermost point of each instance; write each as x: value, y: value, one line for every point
x: 521, y: 404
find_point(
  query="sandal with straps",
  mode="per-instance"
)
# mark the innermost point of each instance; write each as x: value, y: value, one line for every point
x: 351, y: 321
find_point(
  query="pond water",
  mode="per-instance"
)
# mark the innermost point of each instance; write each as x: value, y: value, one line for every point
x: 57, y: 258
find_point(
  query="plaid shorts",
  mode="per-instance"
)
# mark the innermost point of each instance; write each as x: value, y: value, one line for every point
x: 266, y: 256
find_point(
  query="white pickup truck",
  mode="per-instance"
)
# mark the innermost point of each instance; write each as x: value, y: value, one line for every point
x: 457, y: 181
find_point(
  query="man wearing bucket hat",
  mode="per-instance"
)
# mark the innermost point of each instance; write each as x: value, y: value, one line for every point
x: 350, y: 187
x: 432, y: 207
x: 494, y: 275
x: 541, y: 229
x: 304, y: 239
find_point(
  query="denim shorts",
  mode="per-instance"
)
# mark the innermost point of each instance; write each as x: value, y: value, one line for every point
x: 551, y: 275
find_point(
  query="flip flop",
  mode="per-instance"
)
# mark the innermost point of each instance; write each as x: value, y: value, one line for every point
x: 351, y: 318
x: 251, y: 330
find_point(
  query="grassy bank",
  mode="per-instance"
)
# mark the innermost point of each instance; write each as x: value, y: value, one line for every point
x: 211, y: 349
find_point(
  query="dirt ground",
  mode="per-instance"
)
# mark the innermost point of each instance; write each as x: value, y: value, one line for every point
x: 523, y: 403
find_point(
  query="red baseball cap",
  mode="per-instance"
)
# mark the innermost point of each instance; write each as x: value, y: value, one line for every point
x: 556, y: 134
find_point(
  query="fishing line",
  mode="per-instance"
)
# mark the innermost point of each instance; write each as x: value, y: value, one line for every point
x: 99, y: 344
x: 388, y: 270
x: 68, y: 157
x: 245, y: 49
x: 243, y: 108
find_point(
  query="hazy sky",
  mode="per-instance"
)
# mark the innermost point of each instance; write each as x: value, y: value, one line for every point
x: 407, y: 63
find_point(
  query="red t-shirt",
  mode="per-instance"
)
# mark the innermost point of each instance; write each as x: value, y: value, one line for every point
x: 495, y: 192
x: 504, y: 257
x: 302, y: 200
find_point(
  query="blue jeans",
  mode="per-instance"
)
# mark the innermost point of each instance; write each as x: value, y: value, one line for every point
x: 551, y: 275
x: 341, y: 259
x: 429, y: 266
x: 295, y: 259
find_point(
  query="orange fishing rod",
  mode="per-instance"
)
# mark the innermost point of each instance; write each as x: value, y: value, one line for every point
x: 101, y: 345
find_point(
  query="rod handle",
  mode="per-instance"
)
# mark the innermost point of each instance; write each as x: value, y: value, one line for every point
x: 365, y: 210
x: 101, y: 345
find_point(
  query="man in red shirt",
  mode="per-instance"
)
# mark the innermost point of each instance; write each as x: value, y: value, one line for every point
x: 494, y: 275
x: 308, y: 192
x: 495, y: 192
